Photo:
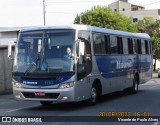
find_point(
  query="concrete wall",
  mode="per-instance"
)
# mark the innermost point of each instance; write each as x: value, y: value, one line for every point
x: 5, y: 37
x: 144, y: 13
x: 5, y: 71
x: 119, y: 6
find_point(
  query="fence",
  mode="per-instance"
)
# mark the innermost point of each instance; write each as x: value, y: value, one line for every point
x: 5, y: 71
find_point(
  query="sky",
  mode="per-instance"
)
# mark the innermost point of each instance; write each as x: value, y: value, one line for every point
x: 20, y: 13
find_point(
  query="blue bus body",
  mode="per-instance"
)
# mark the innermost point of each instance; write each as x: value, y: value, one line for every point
x: 111, y: 61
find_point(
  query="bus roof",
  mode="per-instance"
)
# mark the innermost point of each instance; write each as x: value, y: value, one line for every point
x: 90, y: 28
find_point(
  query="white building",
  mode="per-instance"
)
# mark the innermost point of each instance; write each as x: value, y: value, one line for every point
x: 135, y: 11
x: 8, y: 34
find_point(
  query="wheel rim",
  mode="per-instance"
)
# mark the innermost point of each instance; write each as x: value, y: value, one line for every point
x: 93, y: 95
x: 136, y: 86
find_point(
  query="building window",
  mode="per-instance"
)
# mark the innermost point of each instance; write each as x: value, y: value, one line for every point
x: 123, y: 9
x: 134, y: 9
x: 135, y: 20
x: 115, y: 10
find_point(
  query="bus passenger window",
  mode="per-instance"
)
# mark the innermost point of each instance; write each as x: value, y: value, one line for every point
x: 147, y: 47
x: 137, y: 46
x: 143, y: 47
x: 125, y: 46
x: 150, y: 46
x: 113, y: 45
x: 107, y: 39
x: 99, y: 44
x: 130, y: 45
x: 120, y: 46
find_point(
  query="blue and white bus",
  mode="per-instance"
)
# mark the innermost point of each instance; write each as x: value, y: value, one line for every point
x: 103, y: 61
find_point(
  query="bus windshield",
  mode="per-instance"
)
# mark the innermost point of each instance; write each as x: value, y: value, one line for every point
x: 49, y: 51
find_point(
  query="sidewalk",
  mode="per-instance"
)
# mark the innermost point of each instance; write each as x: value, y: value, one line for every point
x: 155, y: 75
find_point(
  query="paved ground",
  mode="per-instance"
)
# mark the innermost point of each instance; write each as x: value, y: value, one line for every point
x: 147, y: 100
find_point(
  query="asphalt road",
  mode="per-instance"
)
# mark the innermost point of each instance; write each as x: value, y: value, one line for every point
x: 146, y: 100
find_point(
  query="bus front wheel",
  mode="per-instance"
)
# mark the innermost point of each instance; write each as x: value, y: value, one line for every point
x: 93, y: 97
x: 46, y: 103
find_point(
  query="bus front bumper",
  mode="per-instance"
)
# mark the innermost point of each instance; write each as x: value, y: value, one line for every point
x: 55, y: 95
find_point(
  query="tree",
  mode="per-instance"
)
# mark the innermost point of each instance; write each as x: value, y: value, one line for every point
x: 156, y: 42
x: 152, y: 27
x: 146, y: 25
x: 102, y: 16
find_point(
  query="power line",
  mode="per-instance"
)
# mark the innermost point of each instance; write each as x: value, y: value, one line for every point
x: 60, y: 12
x: 68, y: 2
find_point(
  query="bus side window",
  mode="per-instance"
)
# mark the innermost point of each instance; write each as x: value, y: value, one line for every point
x: 107, y: 39
x: 147, y: 47
x: 139, y: 46
x: 130, y: 45
x: 99, y: 44
x: 143, y: 46
x: 120, y: 46
x: 135, y: 46
x: 113, y: 45
x: 150, y: 46
x: 125, y: 46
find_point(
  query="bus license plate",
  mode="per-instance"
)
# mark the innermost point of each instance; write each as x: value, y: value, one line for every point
x: 39, y: 94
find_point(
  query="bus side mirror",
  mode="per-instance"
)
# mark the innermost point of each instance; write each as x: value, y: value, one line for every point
x: 11, y: 49
x: 80, y: 48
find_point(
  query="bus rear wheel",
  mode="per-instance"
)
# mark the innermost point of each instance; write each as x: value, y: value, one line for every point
x: 135, y: 85
x: 46, y: 103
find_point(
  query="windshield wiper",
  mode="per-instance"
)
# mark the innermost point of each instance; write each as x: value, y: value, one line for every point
x: 32, y: 64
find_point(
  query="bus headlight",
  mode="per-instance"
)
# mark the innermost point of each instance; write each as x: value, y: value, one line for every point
x: 66, y: 85
x: 17, y: 84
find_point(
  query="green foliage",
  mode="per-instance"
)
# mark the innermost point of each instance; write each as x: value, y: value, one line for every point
x: 152, y: 27
x: 102, y: 16
x: 156, y: 38
x: 146, y: 25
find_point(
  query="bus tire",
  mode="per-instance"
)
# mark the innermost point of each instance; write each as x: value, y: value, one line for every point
x: 135, y: 85
x: 94, y: 95
x: 46, y: 103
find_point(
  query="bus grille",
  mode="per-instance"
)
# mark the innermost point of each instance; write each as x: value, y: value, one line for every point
x: 47, y: 95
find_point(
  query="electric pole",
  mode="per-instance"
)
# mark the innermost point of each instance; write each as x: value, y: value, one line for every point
x: 44, y: 13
